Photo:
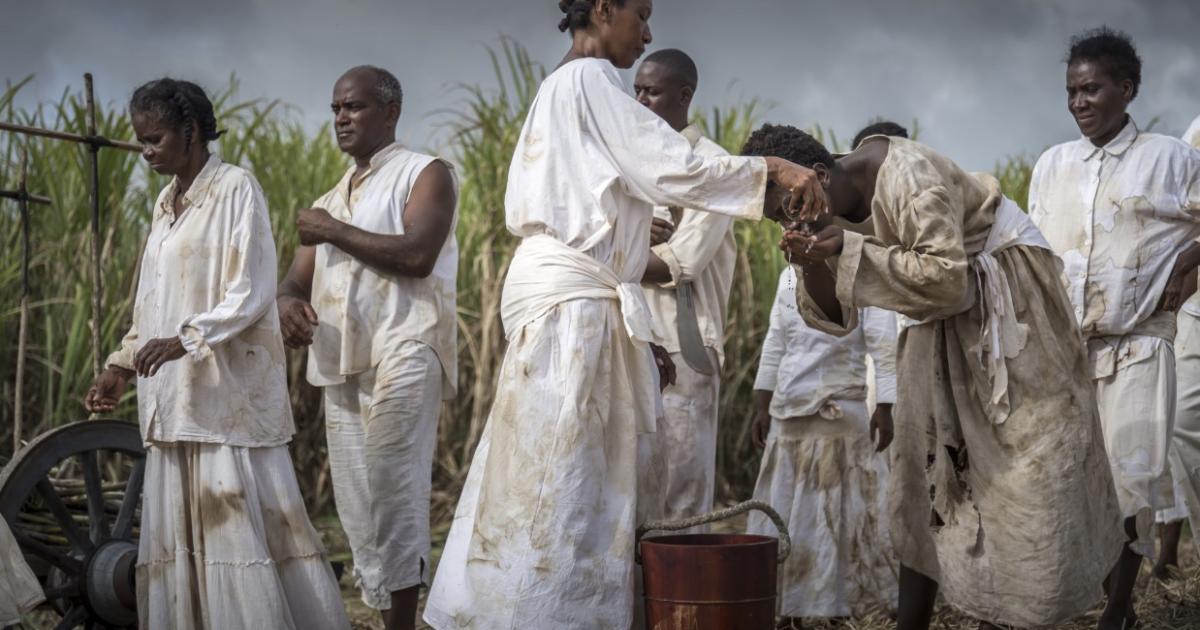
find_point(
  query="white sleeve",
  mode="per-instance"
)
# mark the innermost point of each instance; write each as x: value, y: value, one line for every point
x: 658, y: 164
x: 879, y: 327
x: 775, y: 343
x: 251, y: 269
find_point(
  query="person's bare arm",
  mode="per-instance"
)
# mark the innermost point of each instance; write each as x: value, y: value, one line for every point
x: 657, y: 271
x: 428, y: 216
x: 293, y: 299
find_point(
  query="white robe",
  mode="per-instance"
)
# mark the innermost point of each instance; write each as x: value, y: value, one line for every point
x: 543, y: 536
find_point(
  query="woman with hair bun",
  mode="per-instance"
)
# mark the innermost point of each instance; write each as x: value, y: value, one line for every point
x: 225, y: 538
x: 543, y: 536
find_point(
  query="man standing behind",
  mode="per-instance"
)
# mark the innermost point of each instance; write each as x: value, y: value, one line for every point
x: 1184, y: 455
x: 372, y: 290
x: 1121, y: 207
x: 687, y: 284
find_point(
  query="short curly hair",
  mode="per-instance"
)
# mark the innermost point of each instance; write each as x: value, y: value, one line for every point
x: 878, y: 128
x: 1111, y: 49
x: 177, y: 104
x: 789, y: 143
x: 577, y: 13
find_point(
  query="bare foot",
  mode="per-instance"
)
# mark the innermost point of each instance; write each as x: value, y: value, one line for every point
x: 1165, y: 572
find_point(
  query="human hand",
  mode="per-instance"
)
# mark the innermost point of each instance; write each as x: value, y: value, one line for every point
x: 807, y: 201
x: 156, y: 353
x: 666, y: 367
x: 316, y: 226
x: 882, y: 427
x: 660, y: 231
x: 106, y: 390
x: 805, y: 248
x: 1181, y: 284
x: 296, y: 321
x: 760, y: 427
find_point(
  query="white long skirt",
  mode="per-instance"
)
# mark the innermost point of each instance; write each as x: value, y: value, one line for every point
x: 226, y: 543
x: 19, y: 588
x: 543, y: 536
x: 830, y: 486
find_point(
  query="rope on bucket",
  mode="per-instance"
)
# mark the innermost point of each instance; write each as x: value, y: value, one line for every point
x: 785, y: 541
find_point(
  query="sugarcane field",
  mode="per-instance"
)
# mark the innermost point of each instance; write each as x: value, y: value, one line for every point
x: 600, y: 314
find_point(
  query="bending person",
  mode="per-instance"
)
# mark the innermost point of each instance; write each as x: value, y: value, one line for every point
x: 994, y: 412
x: 226, y: 541
x: 543, y: 536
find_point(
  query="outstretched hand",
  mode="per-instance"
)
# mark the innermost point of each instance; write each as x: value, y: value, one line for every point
x: 805, y: 248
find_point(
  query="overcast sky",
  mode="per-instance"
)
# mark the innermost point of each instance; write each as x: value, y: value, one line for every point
x: 985, y: 78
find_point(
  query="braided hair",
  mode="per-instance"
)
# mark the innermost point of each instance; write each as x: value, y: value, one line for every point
x: 577, y: 13
x: 177, y: 104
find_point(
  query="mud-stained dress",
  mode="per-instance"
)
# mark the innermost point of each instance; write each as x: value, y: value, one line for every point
x: 225, y: 538
x: 1000, y: 486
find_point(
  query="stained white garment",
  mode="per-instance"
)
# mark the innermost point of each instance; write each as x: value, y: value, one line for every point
x: 364, y: 312
x: 825, y: 479
x: 226, y: 544
x: 20, y: 591
x: 1016, y: 520
x: 209, y: 278
x: 687, y: 441
x: 1118, y: 216
x: 1184, y: 455
x: 381, y: 426
x: 703, y: 252
x: 543, y: 536
x: 808, y: 370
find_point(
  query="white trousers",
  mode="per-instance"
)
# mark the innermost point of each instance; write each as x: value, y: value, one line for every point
x: 381, y: 426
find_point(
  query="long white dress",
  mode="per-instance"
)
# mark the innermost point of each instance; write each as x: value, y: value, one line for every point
x: 819, y: 469
x: 543, y: 536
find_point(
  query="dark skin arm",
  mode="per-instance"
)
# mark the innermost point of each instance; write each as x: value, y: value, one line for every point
x: 296, y: 315
x: 1182, y: 283
x: 881, y: 426
x: 657, y: 271
x: 428, y: 216
x: 762, y: 417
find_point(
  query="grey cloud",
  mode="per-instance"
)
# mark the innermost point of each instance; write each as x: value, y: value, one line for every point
x: 983, y: 78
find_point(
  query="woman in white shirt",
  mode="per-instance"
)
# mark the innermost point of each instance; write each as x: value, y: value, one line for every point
x: 544, y: 531
x: 225, y: 538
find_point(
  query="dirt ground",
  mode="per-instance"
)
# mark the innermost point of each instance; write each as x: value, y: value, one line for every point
x: 1160, y: 606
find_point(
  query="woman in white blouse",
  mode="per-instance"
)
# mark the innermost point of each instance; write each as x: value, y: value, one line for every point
x: 225, y: 538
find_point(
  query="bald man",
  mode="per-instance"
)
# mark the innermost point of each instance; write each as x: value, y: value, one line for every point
x: 687, y: 287
x: 372, y: 291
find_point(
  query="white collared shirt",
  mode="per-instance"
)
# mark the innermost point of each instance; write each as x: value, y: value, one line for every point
x: 702, y: 251
x: 362, y: 312
x: 1118, y: 216
x: 808, y: 369
x: 209, y: 278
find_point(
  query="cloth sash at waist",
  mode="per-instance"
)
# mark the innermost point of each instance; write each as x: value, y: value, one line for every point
x: 545, y: 273
x: 1001, y: 336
